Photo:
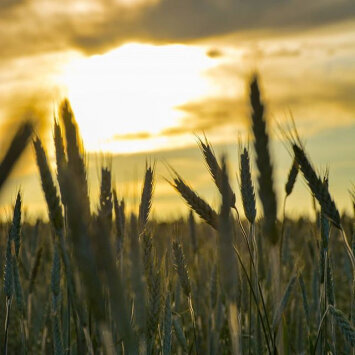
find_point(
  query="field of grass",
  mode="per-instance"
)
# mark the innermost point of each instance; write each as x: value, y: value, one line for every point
x: 105, y: 282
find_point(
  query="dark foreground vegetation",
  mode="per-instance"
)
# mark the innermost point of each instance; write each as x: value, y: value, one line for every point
x: 105, y: 282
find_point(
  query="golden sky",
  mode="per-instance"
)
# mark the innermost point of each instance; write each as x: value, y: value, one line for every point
x: 144, y: 76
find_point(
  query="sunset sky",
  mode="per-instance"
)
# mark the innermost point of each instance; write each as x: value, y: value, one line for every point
x: 144, y: 76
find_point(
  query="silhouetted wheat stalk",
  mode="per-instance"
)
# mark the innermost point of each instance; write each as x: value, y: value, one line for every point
x: 146, y: 199
x: 321, y: 193
x: 265, y: 182
x: 61, y: 160
x: 290, y: 183
x: 248, y: 199
x: 76, y: 162
x: 246, y: 187
x: 201, y: 207
x: 214, y: 169
x: 216, y: 173
x: 106, y: 197
x: 53, y: 201
x: 17, y: 146
x: 263, y: 162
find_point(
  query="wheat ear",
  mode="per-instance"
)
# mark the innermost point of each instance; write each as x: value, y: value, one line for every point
x: 106, y: 203
x: 61, y: 159
x: 215, y: 169
x: 263, y: 162
x: 146, y: 198
x: 17, y: 146
x: 246, y: 187
x: 76, y: 162
x: 321, y: 193
x: 200, y: 206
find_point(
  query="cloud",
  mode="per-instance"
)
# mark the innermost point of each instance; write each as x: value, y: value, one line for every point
x: 132, y: 136
x: 282, y: 52
x: 9, y: 4
x: 211, y: 113
x: 205, y: 115
x: 94, y: 26
x: 317, y: 104
x: 214, y: 53
x: 200, y: 116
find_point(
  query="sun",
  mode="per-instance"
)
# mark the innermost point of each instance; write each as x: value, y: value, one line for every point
x: 135, y: 88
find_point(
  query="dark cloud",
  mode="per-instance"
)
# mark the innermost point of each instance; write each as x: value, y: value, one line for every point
x: 30, y: 28
x: 213, y: 113
x: 259, y: 53
x: 339, y: 95
x: 214, y: 53
x: 132, y: 136
x: 206, y: 115
x: 9, y: 4
x: 184, y: 20
x: 200, y: 116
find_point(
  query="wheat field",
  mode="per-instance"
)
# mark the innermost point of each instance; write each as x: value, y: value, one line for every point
x: 107, y: 282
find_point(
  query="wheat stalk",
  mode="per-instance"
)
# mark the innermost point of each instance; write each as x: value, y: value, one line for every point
x: 283, y: 303
x: 106, y: 204
x: 316, y: 185
x: 179, y: 332
x: 55, y: 288
x: 49, y: 189
x: 291, y: 178
x: 137, y: 274
x: 228, y: 262
x: 18, y: 288
x: 166, y: 350
x: 17, y: 146
x: 61, y: 159
x: 11, y: 276
x: 290, y: 183
x: 344, y: 325
x: 321, y: 193
x: 246, y: 187
x: 146, y: 198
x: 76, y: 163
x: 200, y: 206
x: 148, y: 259
x: 119, y: 208
x: 263, y: 162
x: 155, y: 307
x: 215, y: 169
x: 192, y: 230
x: 181, y: 268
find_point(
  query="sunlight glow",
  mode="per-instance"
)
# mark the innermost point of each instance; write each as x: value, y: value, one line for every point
x: 132, y: 89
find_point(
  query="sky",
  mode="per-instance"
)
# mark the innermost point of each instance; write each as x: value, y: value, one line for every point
x: 144, y: 77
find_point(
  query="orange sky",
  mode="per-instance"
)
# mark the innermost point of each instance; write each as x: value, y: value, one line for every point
x: 143, y: 77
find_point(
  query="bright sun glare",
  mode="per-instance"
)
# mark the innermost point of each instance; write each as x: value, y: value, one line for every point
x: 135, y: 88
